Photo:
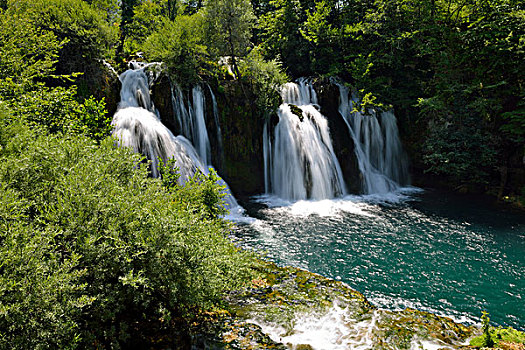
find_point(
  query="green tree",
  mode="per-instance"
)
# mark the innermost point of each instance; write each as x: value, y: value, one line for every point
x: 85, y: 34
x: 282, y: 39
x: 126, y: 19
x: 179, y: 44
x: 321, y: 34
x: 110, y: 8
x: 192, y: 6
x: 147, y: 18
x: 30, y: 86
x: 229, y: 28
x: 266, y: 79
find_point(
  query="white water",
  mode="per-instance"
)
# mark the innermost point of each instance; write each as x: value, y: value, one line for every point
x: 135, y: 90
x: 336, y: 329
x: 300, y: 163
x: 381, y: 159
x: 142, y: 131
x: 299, y: 158
x: 137, y: 125
x: 192, y: 120
x: 217, y: 123
x: 200, y: 134
x: 181, y: 111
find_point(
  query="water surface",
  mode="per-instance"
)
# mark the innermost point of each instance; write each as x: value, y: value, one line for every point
x: 448, y: 254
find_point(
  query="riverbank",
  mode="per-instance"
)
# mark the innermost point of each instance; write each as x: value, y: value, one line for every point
x: 291, y: 308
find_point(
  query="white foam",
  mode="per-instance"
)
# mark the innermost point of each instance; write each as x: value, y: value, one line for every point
x: 352, y: 204
x: 400, y: 304
x: 325, y: 207
x: 398, y: 196
x: 328, y: 208
x: 335, y: 329
x: 419, y: 344
x: 331, y: 330
x: 237, y: 214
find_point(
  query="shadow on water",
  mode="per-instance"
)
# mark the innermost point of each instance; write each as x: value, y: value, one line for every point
x: 474, y: 209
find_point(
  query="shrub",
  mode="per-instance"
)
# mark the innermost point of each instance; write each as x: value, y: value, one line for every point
x: 266, y: 77
x: 83, y: 30
x: 179, y: 45
x: 29, y: 86
x: 494, y: 336
x: 93, y: 248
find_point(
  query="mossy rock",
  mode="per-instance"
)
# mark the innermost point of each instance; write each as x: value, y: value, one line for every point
x: 279, y: 295
x: 297, y: 111
x: 503, y: 338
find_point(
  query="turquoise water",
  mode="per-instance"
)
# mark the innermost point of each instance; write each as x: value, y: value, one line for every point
x: 448, y: 254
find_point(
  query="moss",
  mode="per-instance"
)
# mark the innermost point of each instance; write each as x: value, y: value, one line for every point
x: 501, y: 337
x: 303, y: 347
x: 279, y: 296
x: 400, y: 328
x: 297, y: 111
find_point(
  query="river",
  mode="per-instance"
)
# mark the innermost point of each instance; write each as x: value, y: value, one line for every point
x: 444, y: 253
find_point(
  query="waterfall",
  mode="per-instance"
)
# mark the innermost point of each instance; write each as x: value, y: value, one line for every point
x: 267, y: 152
x: 143, y: 132
x: 135, y: 90
x: 192, y: 119
x: 217, y: 123
x: 200, y: 134
x: 300, y: 160
x: 137, y: 125
x: 181, y: 112
x: 381, y: 159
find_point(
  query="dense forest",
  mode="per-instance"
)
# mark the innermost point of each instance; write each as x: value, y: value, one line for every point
x: 94, y: 250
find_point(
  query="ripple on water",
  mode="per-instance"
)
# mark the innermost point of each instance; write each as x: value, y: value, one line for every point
x: 412, y: 250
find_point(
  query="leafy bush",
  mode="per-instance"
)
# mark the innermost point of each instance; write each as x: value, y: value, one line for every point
x: 95, y: 119
x: 82, y: 29
x: 147, y: 18
x: 92, y: 248
x: 266, y: 77
x: 228, y: 27
x: 207, y: 192
x: 178, y: 43
x: 28, y: 83
x: 465, y: 154
x: 28, y: 53
x: 494, y: 336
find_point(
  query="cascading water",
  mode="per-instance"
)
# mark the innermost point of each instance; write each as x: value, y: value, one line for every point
x: 135, y: 90
x: 136, y: 124
x: 378, y: 149
x: 181, y: 112
x: 200, y: 134
x: 217, y: 123
x: 141, y: 130
x: 300, y: 162
x: 192, y: 119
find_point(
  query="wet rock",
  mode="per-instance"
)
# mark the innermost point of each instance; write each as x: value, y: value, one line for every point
x: 102, y: 82
x: 242, y: 133
x: 161, y: 96
x: 328, y: 96
x: 297, y: 111
x: 281, y: 300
